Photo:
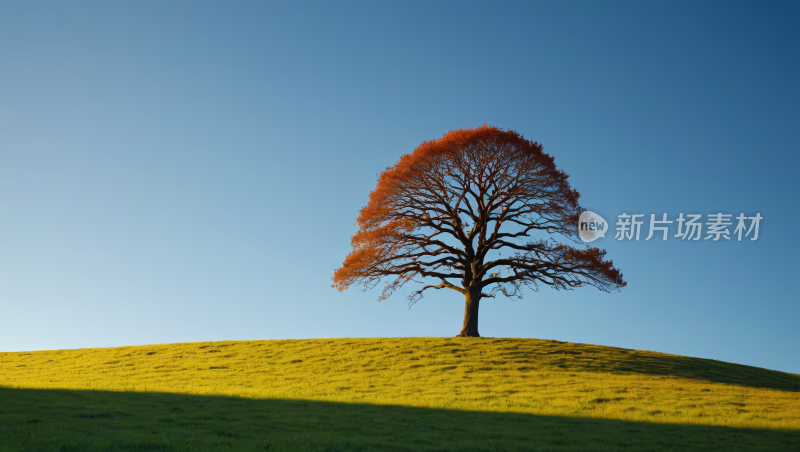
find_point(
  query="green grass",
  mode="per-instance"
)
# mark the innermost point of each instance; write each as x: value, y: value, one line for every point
x: 390, y: 394
x: 50, y: 420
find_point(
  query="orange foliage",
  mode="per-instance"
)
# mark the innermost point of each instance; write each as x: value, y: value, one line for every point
x: 445, y: 210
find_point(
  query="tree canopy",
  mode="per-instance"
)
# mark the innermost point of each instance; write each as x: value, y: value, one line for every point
x: 477, y: 211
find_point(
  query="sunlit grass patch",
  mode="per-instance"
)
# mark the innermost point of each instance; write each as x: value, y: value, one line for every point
x: 499, y: 375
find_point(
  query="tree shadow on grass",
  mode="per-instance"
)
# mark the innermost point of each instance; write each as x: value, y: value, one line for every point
x: 67, y: 420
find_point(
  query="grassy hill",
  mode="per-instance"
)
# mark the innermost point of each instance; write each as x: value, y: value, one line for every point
x: 391, y: 394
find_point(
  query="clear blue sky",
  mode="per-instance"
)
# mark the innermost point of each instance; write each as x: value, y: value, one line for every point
x: 191, y: 171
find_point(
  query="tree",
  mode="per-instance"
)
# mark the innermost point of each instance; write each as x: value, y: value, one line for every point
x: 469, y: 210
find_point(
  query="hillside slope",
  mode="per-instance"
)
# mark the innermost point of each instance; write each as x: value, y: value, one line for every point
x: 486, y: 374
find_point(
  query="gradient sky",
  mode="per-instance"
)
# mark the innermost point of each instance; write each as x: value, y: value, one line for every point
x: 191, y: 171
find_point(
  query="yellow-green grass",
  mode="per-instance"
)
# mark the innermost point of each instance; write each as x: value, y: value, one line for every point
x: 551, y: 380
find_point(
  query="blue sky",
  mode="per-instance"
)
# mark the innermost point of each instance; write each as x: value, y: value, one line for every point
x: 191, y: 171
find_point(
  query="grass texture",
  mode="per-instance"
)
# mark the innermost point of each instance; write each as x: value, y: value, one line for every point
x: 390, y: 394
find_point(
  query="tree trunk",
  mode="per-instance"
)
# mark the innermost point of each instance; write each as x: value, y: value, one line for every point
x: 471, y: 302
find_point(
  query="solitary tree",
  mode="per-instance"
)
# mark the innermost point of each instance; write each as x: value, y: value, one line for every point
x: 478, y: 211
